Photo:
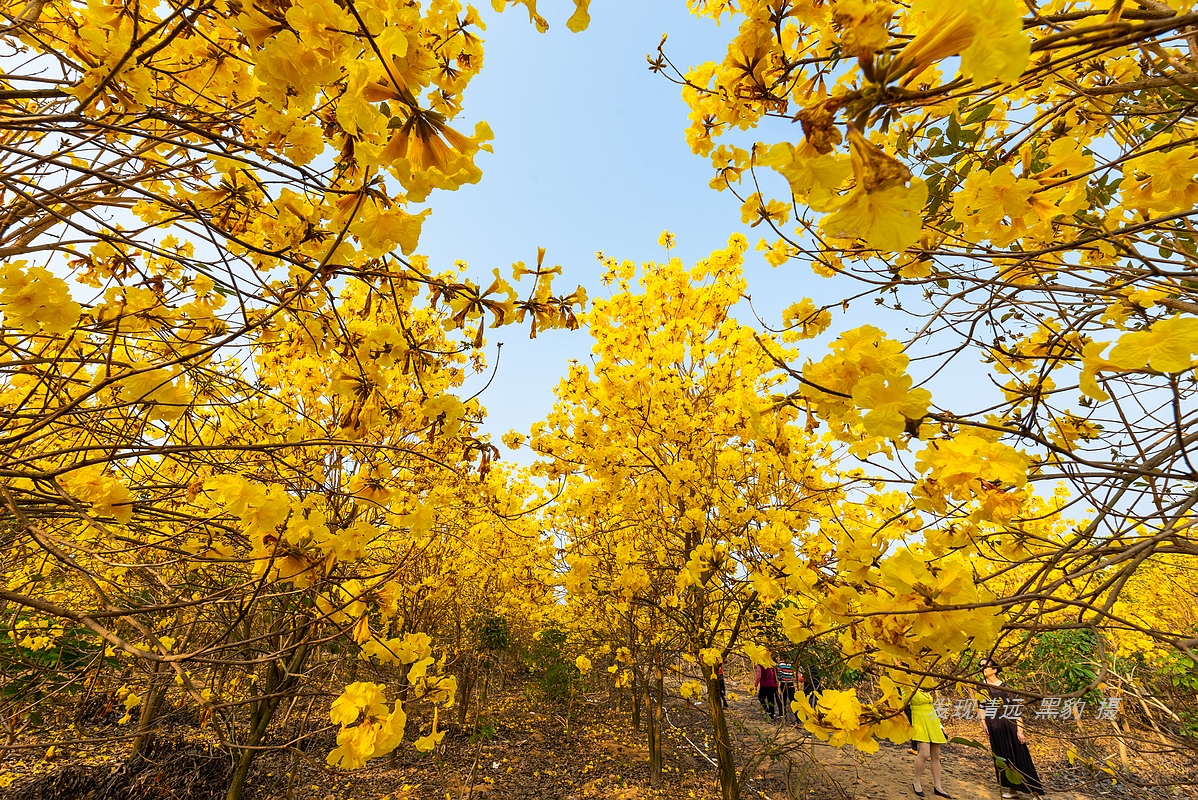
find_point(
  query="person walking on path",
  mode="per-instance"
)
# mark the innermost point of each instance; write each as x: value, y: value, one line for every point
x: 786, y: 688
x: 811, y: 684
x: 929, y: 735
x: 1004, y: 726
x: 766, y: 683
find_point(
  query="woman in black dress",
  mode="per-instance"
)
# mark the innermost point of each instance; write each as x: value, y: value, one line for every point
x: 1007, y: 739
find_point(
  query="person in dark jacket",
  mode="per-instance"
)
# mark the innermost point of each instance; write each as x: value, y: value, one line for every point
x: 812, y: 685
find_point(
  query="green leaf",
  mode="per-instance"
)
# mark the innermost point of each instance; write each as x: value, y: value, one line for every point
x: 967, y: 742
x: 980, y: 113
x: 1010, y: 772
x: 953, y: 131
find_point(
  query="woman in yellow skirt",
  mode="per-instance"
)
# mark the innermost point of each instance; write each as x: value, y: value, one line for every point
x: 929, y: 736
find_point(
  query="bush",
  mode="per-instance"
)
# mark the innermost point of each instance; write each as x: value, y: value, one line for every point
x: 554, y: 674
x: 1181, y: 673
x: 494, y: 634
x: 1063, y: 662
x: 830, y: 664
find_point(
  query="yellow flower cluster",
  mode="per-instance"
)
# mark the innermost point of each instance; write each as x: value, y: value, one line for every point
x: 32, y: 300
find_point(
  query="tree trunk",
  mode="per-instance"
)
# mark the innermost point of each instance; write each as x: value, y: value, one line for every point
x: 465, y: 694
x: 636, y: 688
x: 149, y: 710
x: 264, y: 711
x: 729, y: 787
x: 653, y: 724
x: 655, y: 712
x: 393, y: 756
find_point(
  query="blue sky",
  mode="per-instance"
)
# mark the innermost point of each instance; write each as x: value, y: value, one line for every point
x: 589, y: 155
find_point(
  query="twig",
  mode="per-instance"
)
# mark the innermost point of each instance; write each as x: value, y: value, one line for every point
x: 697, y: 749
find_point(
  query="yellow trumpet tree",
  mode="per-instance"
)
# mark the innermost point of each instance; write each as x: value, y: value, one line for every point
x: 1016, y: 183
x: 682, y: 502
x: 230, y: 433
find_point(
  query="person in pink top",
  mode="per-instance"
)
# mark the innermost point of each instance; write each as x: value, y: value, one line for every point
x: 766, y: 683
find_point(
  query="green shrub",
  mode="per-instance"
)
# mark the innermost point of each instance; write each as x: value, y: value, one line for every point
x: 1063, y: 662
x: 554, y: 674
x: 494, y: 634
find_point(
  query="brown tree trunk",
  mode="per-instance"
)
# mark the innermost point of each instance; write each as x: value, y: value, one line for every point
x: 637, y: 692
x: 149, y: 710
x: 637, y: 686
x: 729, y: 787
x: 260, y: 721
x: 465, y: 694
x: 653, y: 723
x: 278, y: 682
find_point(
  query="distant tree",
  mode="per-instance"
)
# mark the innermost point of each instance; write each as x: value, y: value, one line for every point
x: 680, y: 499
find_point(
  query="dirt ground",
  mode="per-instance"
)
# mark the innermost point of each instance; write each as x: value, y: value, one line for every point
x: 532, y: 750
x: 968, y: 772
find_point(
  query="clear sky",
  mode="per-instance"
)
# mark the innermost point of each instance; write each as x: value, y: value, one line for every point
x: 590, y: 155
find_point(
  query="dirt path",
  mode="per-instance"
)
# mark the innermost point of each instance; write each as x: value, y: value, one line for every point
x: 884, y: 775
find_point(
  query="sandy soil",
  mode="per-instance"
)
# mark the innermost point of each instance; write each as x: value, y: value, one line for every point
x: 589, y: 751
x: 968, y: 773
